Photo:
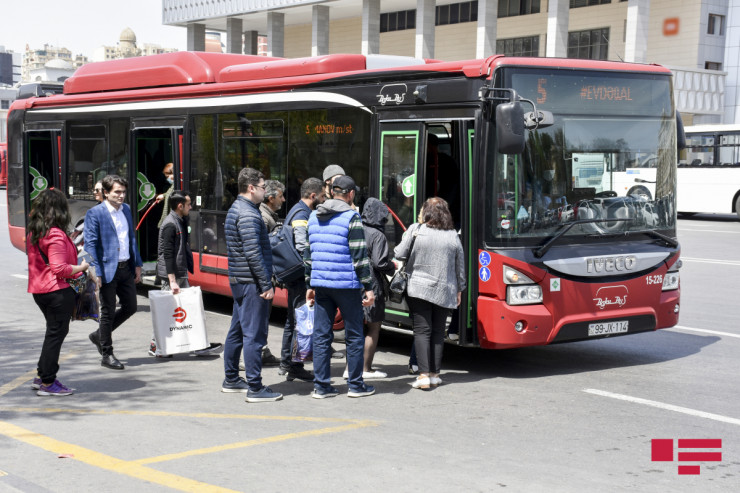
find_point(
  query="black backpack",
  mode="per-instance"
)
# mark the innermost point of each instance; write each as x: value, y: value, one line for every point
x: 287, y: 263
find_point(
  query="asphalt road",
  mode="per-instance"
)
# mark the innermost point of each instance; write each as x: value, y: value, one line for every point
x: 571, y: 417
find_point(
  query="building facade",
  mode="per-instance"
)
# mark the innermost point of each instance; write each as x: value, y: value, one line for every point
x: 10, y: 67
x: 127, y: 48
x: 698, y: 39
x: 35, y: 60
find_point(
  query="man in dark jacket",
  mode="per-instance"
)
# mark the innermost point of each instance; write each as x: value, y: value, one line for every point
x: 312, y: 194
x: 250, y: 273
x: 338, y: 268
x: 174, y: 257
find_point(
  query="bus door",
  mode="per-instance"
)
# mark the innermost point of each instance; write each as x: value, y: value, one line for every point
x: 422, y: 160
x: 157, y: 170
x: 43, y: 149
x: 399, y: 159
x: 448, y: 165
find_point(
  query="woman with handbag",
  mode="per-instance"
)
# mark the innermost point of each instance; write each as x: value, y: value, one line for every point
x: 52, y: 266
x: 435, y: 269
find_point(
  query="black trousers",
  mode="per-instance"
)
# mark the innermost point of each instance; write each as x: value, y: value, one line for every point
x: 57, y: 308
x: 430, y: 322
x: 123, y: 286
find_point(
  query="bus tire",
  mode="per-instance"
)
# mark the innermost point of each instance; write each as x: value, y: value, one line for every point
x: 737, y: 205
x: 640, y: 191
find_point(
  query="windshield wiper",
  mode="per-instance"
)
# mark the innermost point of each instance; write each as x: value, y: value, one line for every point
x: 670, y: 241
x: 539, y: 252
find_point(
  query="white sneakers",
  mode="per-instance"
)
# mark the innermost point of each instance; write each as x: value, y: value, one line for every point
x: 367, y: 375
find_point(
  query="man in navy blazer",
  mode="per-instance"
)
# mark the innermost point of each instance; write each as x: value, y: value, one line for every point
x: 111, y: 242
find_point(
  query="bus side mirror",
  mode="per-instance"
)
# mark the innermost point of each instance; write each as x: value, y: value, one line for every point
x: 680, y: 135
x: 510, y: 128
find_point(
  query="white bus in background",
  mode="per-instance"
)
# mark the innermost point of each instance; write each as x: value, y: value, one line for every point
x: 709, y: 170
x: 609, y: 172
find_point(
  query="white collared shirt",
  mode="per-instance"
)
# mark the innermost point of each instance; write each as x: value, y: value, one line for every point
x: 119, y: 221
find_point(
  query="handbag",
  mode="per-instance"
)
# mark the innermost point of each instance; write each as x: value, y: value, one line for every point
x: 399, y: 281
x: 78, y: 283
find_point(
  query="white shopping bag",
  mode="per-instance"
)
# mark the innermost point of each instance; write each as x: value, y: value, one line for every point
x: 179, y: 321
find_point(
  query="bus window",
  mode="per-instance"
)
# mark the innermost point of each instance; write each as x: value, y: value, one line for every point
x: 253, y: 140
x: 88, y: 158
x: 42, y: 161
x: 398, y: 164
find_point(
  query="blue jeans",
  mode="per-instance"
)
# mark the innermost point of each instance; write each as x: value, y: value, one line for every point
x: 349, y: 302
x: 248, y: 331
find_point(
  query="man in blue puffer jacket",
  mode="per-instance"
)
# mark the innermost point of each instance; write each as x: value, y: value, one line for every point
x: 250, y: 274
x: 338, y: 269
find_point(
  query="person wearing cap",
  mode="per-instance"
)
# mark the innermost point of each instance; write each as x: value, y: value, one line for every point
x: 338, y: 275
x: 331, y: 172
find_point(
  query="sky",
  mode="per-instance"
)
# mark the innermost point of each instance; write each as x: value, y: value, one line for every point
x: 84, y: 25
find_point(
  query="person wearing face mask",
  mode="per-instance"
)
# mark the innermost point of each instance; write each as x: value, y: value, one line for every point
x: 169, y: 174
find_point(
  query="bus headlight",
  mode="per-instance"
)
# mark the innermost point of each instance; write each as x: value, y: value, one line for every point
x: 521, y: 290
x: 670, y: 281
x: 523, y: 295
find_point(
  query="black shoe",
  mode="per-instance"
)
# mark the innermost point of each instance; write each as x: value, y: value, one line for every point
x: 269, y: 359
x: 95, y: 339
x: 110, y: 361
x: 283, y: 370
x: 299, y: 373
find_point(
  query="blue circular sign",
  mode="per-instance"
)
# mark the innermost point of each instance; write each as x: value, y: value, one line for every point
x: 484, y: 258
x: 484, y: 274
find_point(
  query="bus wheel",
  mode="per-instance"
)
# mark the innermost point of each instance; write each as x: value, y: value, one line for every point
x: 737, y: 206
x: 641, y: 192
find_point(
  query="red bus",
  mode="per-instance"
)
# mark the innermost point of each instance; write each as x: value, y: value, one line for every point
x: 551, y: 257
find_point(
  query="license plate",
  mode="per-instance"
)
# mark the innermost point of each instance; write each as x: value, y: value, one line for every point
x: 606, y: 328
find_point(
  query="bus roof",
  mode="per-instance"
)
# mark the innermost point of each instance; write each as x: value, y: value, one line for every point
x: 188, y: 68
x: 193, y: 74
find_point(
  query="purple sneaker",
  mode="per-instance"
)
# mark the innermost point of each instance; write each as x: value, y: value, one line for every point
x: 36, y: 384
x: 56, y: 388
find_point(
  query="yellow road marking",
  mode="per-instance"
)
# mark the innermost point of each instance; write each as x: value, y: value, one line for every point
x: 30, y: 375
x: 258, y: 441
x: 137, y: 468
x: 17, y: 382
x: 174, y: 414
x: 107, y: 462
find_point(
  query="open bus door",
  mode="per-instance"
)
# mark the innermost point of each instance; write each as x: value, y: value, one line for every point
x: 418, y: 161
x: 43, y: 149
x: 156, y: 145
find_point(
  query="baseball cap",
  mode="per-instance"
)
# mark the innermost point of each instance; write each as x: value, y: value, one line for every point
x: 344, y: 184
x: 332, y: 170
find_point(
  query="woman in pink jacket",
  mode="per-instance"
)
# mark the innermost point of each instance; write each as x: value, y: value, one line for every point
x: 52, y: 261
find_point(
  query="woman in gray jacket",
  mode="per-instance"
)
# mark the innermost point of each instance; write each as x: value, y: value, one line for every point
x: 436, y: 280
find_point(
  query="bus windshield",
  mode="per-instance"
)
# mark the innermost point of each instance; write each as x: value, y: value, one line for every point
x: 609, y: 166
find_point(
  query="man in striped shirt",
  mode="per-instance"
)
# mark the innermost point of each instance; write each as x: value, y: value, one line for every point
x: 338, y: 275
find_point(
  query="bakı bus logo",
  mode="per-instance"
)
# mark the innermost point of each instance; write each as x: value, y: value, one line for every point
x: 611, y: 295
x: 180, y: 315
x: 662, y: 451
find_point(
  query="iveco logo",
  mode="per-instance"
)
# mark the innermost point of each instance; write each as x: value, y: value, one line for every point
x: 611, y: 264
